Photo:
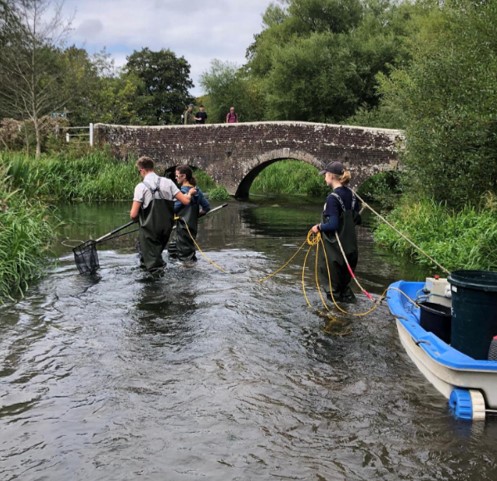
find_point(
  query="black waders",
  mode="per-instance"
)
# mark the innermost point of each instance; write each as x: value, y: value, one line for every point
x: 156, y: 223
x: 339, y: 273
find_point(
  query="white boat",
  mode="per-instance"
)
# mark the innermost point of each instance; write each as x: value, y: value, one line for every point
x: 469, y: 384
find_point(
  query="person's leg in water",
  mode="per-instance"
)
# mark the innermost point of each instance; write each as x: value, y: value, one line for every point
x: 348, y: 295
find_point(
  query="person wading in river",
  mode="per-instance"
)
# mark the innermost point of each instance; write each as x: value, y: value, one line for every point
x: 182, y: 243
x: 340, y: 216
x: 153, y: 208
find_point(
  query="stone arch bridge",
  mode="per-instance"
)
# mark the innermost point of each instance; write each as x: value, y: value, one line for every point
x: 234, y: 154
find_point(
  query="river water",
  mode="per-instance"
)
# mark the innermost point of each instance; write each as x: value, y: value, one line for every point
x: 209, y: 374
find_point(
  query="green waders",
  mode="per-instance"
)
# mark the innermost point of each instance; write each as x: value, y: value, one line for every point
x: 339, y: 273
x: 156, y: 223
x: 182, y: 245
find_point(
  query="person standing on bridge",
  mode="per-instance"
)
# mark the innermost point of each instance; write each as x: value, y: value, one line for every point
x: 153, y: 208
x: 201, y: 115
x: 182, y: 243
x: 231, y: 116
x: 339, y: 219
x: 187, y: 116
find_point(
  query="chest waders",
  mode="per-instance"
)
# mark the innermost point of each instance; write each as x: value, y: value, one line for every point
x: 181, y: 245
x: 339, y: 273
x: 156, y: 223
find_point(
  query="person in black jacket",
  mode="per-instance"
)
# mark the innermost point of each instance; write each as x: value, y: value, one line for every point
x: 340, y: 216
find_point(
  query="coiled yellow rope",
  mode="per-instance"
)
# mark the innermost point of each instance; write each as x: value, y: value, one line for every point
x: 312, y: 240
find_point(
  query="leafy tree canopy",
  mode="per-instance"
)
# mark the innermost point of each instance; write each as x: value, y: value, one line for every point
x: 165, y: 79
x: 448, y: 95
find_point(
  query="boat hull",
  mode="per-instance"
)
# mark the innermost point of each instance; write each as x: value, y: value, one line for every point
x: 444, y: 367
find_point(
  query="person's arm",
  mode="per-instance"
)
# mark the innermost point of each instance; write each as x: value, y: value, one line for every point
x: 332, y: 211
x: 135, y: 210
x: 203, y: 202
x: 185, y: 199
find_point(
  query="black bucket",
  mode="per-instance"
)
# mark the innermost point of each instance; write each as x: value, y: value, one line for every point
x: 474, y: 311
x: 436, y: 318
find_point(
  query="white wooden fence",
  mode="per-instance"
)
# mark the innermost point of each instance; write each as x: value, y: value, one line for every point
x: 80, y: 134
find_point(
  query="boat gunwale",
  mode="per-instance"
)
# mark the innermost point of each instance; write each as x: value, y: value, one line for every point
x: 431, y: 344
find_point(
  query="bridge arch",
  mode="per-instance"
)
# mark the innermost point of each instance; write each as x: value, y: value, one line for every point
x: 234, y: 154
x: 265, y: 160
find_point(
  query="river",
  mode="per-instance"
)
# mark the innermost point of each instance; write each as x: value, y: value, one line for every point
x: 206, y: 373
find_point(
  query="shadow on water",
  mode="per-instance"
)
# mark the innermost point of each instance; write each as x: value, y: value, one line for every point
x: 206, y: 372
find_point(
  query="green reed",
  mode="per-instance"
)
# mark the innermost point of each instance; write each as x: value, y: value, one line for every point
x: 94, y: 177
x: 456, y: 240
x: 26, y: 230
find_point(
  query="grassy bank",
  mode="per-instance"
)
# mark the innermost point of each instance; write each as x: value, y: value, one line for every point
x: 26, y: 230
x: 92, y: 177
x: 27, y: 223
x: 456, y: 240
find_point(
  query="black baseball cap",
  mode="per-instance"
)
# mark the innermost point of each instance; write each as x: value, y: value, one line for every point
x: 336, y: 168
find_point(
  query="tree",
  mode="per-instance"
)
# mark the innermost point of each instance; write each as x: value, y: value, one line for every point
x: 80, y: 85
x: 448, y: 93
x: 30, y: 71
x: 165, y: 80
x: 225, y: 84
x: 318, y: 60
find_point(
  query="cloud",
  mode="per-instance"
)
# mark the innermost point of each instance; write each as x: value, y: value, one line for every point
x: 198, y: 30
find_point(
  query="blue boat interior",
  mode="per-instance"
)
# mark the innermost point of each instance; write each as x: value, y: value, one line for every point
x: 402, y: 299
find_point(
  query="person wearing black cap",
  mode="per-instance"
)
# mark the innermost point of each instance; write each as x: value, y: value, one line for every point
x: 340, y: 216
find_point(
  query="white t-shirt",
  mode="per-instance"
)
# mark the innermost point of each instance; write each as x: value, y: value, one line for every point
x: 143, y: 195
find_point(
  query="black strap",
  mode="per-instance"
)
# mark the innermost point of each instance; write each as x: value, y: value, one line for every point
x: 156, y: 190
x: 340, y: 201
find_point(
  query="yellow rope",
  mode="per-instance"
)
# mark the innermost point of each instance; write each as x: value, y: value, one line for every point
x: 201, y: 251
x: 318, y: 240
x: 312, y: 240
x: 401, y: 234
x: 263, y: 279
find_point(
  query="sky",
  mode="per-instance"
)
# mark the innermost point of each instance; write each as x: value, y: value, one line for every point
x: 198, y: 30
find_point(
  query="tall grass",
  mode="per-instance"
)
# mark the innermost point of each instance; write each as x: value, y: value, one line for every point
x: 26, y: 230
x: 94, y: 177
x: 290, y: 177
x: 456, y: 240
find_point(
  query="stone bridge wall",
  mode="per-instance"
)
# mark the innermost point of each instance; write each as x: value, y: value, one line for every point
x: 233, y: 154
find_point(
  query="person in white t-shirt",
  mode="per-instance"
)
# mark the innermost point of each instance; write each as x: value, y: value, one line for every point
x: 153, y: 208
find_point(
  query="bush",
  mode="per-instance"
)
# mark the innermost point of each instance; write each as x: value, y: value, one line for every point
x: 219, y: 193
x: 456, y: 240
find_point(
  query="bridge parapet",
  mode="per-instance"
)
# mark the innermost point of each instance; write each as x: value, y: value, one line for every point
x: 234, y: 154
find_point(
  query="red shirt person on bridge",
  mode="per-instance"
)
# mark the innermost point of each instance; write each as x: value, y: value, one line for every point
x: 231, y: 116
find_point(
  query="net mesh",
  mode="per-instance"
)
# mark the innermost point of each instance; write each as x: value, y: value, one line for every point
x: 86, y: 257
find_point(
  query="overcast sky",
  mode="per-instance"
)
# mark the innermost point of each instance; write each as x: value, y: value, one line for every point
x: 198, y: 30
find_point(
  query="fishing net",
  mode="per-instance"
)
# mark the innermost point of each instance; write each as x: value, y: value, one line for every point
x: 86, y: 257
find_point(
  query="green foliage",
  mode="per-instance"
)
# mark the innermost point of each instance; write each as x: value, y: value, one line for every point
x: 448, y: 96
x: 95, y: 176
x: 456, y: 240
x: 165, y: 80
x: 30, y: 67
x: 218, y: 193
x: 204, y: 181
x: 318, y: 60
x: 384, y: 189
x: 26, y: 229
x: 225, y: 85
x: 290, y: 177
